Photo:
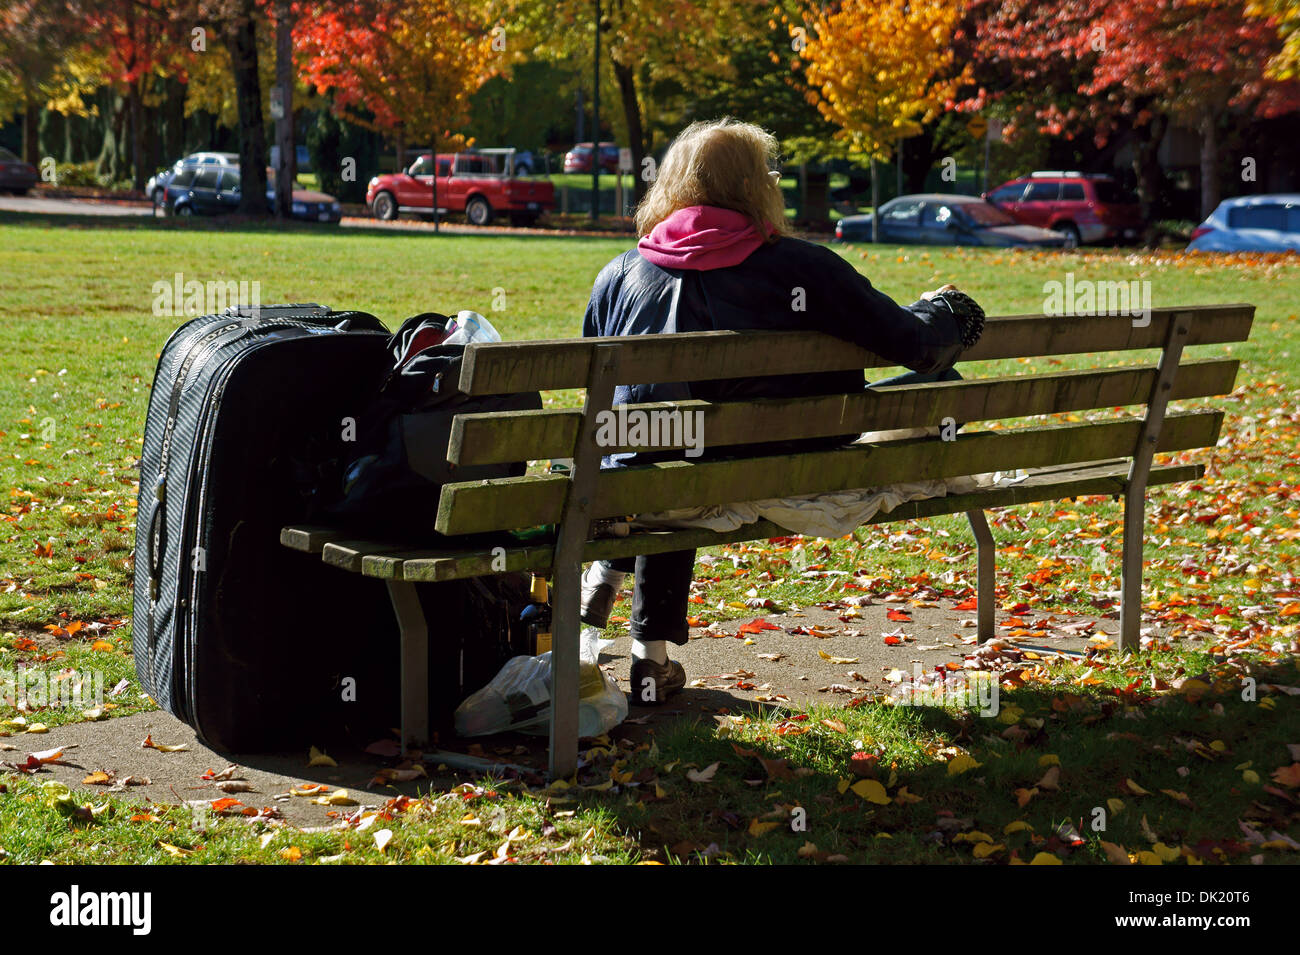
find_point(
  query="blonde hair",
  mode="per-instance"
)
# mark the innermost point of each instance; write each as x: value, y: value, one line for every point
x: 724, y: 163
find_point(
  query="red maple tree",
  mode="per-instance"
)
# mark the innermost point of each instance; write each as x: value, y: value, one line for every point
x: 1075, y: 65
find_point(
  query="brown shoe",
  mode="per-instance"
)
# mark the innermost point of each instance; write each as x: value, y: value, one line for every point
x: 653, y: 683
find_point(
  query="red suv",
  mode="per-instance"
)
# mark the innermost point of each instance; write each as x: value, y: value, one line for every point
x: 1084, y: 207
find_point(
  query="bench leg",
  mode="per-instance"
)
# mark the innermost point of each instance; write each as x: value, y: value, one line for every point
x: 987, y: 558
x: 1135, y: 489
x: 1130, y: 605
x: 415, y: 662
x: 566, y: 574
x: 566, y: 593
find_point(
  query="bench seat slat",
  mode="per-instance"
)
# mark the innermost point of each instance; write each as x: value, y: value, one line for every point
x: 499, y: 438
x: 449, y: 563
x: 509, y: 503
x: 505, y: 367
x: 309, y: 538
x: 348, y: 554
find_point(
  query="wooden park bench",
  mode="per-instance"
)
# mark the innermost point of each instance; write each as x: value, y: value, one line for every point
x: 1110, y: 455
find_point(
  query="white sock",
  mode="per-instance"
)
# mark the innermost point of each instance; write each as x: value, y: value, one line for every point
x: 655, y: 650
x: 601, y: 573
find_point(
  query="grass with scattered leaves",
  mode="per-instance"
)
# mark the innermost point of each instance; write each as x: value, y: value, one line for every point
x: 78, y: 344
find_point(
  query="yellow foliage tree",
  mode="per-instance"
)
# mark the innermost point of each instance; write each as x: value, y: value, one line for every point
x: 1286, y: 15
x: 678, y: 45
x: 879, y: 69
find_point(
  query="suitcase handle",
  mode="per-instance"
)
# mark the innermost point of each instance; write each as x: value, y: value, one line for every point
x: 307, y: 310
x: 155, y: 551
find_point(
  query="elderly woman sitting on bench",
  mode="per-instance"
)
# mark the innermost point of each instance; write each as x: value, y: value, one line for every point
x: 715, y: 254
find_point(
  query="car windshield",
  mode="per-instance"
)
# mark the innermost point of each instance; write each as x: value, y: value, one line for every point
x: 1281, y: 217
x: 985, y: 216
x: 7, y: 156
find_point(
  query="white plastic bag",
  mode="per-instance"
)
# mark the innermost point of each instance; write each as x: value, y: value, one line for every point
x: 519, y: 696
x: 472, y: 327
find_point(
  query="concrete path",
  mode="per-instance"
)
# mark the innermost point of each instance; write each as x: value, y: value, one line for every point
x: 830, y: 655
x: 74, y: 207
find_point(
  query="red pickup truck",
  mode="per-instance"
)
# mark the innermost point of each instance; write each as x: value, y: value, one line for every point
x: 480, y: 183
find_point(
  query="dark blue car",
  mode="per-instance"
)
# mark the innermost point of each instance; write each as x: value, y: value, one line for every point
x: 936, y: 219
x: 213, y: 190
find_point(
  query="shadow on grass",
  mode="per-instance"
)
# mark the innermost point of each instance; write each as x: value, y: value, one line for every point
x: 1059, y: 770
x: 1179, y: 776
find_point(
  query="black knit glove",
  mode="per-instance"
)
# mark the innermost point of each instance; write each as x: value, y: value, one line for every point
x: 967, y: 312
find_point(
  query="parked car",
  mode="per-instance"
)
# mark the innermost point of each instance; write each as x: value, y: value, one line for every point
x: 301, y: 157
x: 1084, y: 207
x: 1265, y: 223
x: 15, y: 175
x: 159, y: 180
x: 578, y: 159
x: 482, y: 183
x: 213, y: 190
x: 308, y: 205
x: 937, y: 219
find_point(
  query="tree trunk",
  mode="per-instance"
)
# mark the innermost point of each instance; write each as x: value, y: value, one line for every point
x: 175, y: 142
x: 918, y: 159
x: 157, y: 125
x: 137, y: 137
x: 110, y: 154
x: 626, y: 78
x: 1150, y: 176
x: 875, y: 202
x: 31, y: 127
x: 284, y: 173
x: 241, y: 42
x: 51, y: 134
x: 1209, y: 163
x: 898, y: 167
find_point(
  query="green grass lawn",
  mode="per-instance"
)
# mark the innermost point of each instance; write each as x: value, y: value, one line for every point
x: 78, y: 345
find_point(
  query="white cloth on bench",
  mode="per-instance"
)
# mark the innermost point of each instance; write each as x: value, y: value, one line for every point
x: 821, y: 515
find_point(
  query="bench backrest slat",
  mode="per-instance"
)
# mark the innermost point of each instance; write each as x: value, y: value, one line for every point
x: 504, y: 437
x: 508, y: 367
x: 512, y: 503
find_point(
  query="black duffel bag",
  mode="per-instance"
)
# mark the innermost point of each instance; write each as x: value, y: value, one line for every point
x: 390, y: 486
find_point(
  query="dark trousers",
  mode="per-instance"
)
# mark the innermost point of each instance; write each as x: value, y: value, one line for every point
x: 663, y: 581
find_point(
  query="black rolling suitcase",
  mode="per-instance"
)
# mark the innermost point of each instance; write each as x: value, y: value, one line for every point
x: 243, y: 639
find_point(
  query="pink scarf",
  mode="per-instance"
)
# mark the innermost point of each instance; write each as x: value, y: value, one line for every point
x: 701, y: 237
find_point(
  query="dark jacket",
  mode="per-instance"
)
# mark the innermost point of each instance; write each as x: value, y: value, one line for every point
x: 631, y: 296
